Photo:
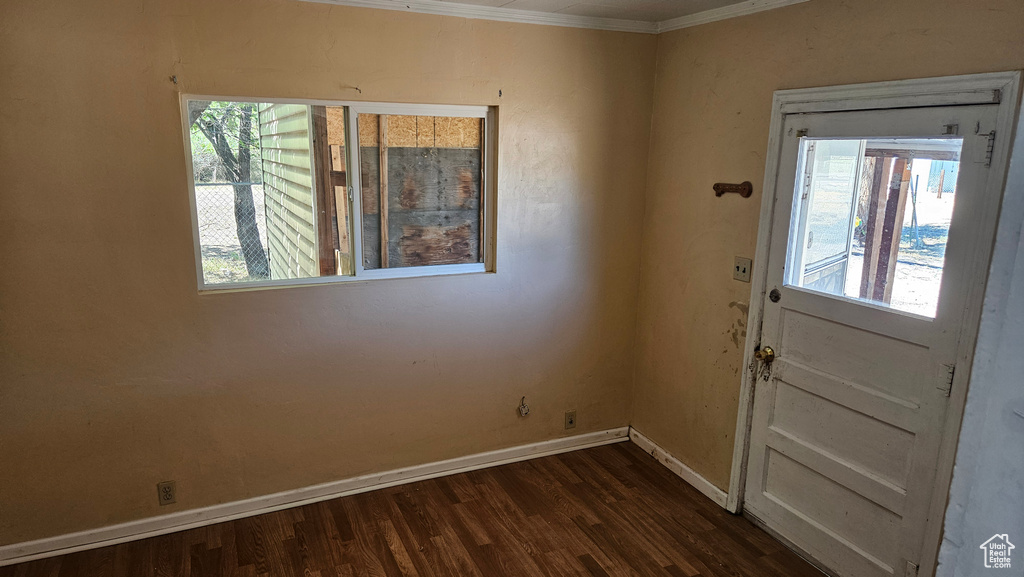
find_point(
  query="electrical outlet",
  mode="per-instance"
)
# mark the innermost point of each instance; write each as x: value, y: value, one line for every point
x: 570, y: 419
x: 165, y: 493
x: 741, y: 269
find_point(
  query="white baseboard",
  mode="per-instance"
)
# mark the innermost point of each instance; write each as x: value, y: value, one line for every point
x: 153, y: 526
x: 676, y: 466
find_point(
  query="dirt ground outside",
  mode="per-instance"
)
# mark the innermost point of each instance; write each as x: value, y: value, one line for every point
x: 918, y: 264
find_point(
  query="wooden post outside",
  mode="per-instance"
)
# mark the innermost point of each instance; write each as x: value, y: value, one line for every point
x: 873, y: 226
x: 483, y: 161
x: 339, y: 182
x: 889, y: 248
x: 327, y: 233
x: 897, y: 231
x: 942, y: 181
x: 382, y: 144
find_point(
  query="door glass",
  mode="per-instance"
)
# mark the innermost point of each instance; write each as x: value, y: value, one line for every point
x: 872, y: 217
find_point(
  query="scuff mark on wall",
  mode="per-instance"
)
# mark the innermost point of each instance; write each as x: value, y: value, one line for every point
x: 738, y: 331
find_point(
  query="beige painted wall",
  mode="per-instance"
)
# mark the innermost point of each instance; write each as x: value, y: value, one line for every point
x: 115, y: 374
x: 711, y: 114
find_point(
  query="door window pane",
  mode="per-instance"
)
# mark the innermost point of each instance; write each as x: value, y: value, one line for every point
x: 421, y: 184
x: 872, y: 219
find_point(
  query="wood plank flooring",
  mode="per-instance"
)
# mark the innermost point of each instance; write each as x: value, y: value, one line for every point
x: 607, y: 511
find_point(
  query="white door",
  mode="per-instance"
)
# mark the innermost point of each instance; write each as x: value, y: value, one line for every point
x: 872, y: 265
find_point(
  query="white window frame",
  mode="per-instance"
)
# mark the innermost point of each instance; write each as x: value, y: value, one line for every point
x: 488, y: 152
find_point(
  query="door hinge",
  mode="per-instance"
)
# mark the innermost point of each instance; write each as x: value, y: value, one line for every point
x: 808, y: 167
x: 990, y: 147
x: 912, y: 569
x: 947, y: 387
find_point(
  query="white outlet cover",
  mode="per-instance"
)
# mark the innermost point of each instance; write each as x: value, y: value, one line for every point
x: 741, y: 269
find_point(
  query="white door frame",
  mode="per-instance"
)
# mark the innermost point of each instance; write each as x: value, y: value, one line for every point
x: 1003, y: 89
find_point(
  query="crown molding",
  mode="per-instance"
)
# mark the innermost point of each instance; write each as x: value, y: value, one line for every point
x: 501, y: 14
x: 723, y: 13
x: 439, y: 8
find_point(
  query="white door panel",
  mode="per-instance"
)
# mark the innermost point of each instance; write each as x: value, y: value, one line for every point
x: 873, y: 269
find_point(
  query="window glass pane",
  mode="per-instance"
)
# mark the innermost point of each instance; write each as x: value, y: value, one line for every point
x: 286, y: 141
x: 336, y: 247
x: 269, y: 190
x: 872, y: 219
x: 831, y: 194
x: 424, y: 208
x: 229, y: 198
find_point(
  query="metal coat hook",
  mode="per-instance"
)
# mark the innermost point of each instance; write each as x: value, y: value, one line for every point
x: 744, y: 189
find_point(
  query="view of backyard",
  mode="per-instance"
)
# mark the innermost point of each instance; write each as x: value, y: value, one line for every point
x: 898, y: 210
x: 221, y: 251
x: 227, y: 168
x: 918, y: 265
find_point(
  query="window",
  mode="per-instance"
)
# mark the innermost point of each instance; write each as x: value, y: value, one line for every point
x: 277, y: 199
x: 872, y: 218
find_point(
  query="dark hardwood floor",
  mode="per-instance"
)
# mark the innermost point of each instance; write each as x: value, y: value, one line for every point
x: 610, y: 510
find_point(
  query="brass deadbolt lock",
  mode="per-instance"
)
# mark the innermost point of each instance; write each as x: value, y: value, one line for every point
x: 765, y: 355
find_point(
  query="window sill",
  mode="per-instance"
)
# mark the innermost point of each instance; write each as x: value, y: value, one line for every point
x: 366, y: 275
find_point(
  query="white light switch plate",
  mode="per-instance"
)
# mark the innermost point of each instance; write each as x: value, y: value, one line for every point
x: 741, y: 270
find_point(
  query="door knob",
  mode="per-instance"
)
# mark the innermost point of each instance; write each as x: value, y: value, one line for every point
x: 765, y: 354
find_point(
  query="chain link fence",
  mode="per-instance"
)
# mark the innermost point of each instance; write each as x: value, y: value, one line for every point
x: 222, y: 254
x: 226, y: 155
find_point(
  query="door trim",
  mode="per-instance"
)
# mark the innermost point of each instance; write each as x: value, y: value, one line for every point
x: 1001, y: 89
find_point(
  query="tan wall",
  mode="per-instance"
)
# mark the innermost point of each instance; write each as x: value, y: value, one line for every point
x: 115, y: 374
x: 711, y: 115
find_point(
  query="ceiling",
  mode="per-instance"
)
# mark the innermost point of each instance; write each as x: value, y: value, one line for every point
x: 648, y: 16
